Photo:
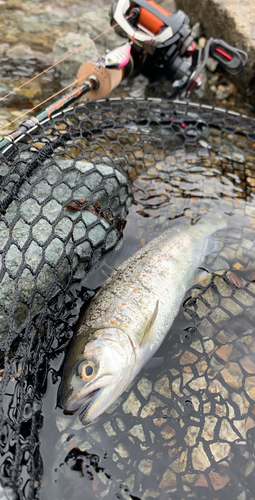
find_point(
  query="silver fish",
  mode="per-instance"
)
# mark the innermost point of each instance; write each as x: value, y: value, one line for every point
x: 129, y: 317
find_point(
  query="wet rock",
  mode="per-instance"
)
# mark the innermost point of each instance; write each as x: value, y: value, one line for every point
x: 248, y: 363
x: 108, y: 429
x: 224, y: 352
x: 202, y: 42
x: 168, y: 480
x: 145, y: 466
x: 24, y: 52
x: 250, y: 387
x: 249, y: 424
x: 211, y: 64
x: 232, y: 375
x: 198, y: 384
x: 167, y: 432
x: 95, y: 22
x: 162, y: 387
x: 226, y: 432
x: 219, y: 315
x: 219, y: 450
x: 209, y: 426
x: 132, y: 404
x: 201, y: 481
x: 150, y: 493
x: 137, y: 431
x: 67, y: 44
x: 220, y: 410
x: 145, y: 387
x: 121, y: 450
x: 215, y: 387
x: 191, y: 435
x: 199, y: 458
x: 180, y: 464
x: 218, y: 481
x: 66, y: 228
x: 241, y: 401
x: 196, y: 31
x: 187, y: 358
x: 149, y: 408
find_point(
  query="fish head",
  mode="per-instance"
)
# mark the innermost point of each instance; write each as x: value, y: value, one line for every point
x: 96, y: 372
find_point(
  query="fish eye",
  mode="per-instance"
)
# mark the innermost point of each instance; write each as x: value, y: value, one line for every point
x: 86, y: 369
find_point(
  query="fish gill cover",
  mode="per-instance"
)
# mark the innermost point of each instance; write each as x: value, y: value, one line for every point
x: 65, y: 193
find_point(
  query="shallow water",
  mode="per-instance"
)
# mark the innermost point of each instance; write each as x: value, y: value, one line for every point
x: 182, y: 427
x: 185, y: 427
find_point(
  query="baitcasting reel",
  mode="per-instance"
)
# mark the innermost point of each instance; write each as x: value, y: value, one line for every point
x: 161, y: 45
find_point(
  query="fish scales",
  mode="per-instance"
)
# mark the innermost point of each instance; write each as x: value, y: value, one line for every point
x: 130, y: 315
x: 130, y: 295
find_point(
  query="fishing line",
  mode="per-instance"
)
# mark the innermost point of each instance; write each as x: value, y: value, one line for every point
x: 63, y: 59
x: 51, y: 97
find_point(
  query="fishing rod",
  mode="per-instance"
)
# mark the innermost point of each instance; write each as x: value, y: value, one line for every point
x: 160, y: 44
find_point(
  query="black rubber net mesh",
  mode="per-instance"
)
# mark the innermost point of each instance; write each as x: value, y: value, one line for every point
x: 66, y: 190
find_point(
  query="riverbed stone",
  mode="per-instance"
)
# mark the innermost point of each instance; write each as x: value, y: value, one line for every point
x: 200, y: 460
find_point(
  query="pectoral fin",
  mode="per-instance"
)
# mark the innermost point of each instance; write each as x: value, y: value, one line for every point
x: 201, y: 276
x: 147, y: 337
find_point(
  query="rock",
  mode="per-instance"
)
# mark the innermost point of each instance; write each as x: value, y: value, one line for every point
x: 187, y: 358
x: 218, y: 481
x: 220, y: 410
x: 209, y: 426
x: 211, y: 64
x: 196, y: 31
x: 132, y: 404
x: 232, y: 375
x: 162, y: 387
x: 250, y: 387
x: 224, y: 91
x: 232, y: 306
x: 248, y: 363
x: 144, y: 386
x: 167, y: 432
x: 168, y: 480
x: 215, y: 387
x: 150, y: 493
x: 226, y: 432
x: 95, y: 22
x: 138, y: 432
x: 46, y: 265
x: 150, y: 408
x: 219, y: 450
x: 200, y: 460
x: 68, y: 44
x: 24, y: 52
x: 108, y: 429
x: 145, y: 466
x: 121, y: 450
x: 191, y: 435
x: 241, y: 401
x: 180, y: 464
x: 198, y: 384
x: 201, y: 481
x: 224, y: 352
x: 202, y: 42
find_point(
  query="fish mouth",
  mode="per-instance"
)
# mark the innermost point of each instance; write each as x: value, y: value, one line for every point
x: 90, y: 398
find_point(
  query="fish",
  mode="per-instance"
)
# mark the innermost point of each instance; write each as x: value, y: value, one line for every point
x: 131, y: 314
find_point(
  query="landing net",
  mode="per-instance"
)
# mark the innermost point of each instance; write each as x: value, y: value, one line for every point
x: 65, y: 193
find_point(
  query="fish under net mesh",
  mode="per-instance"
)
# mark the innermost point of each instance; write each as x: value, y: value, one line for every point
x: 66, y: 190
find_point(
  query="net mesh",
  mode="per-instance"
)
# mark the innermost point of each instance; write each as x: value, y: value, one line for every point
x: 65, y: 192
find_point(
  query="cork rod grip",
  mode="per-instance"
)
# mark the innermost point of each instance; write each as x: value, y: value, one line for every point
x: 108, y: 79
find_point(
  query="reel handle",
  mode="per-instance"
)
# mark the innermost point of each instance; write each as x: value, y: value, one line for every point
x: 230, y: 58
